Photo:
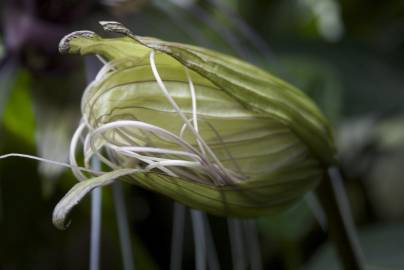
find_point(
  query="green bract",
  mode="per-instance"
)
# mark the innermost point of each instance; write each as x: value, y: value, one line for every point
x: 201, y: 127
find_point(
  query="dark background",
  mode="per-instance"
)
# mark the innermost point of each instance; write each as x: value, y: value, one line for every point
x: 346, y: 54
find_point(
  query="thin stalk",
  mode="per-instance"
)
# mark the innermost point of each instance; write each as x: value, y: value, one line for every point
x: 316, y: 209
x: 177, y: 237
x: 96, y: 197
x: 181, y: 22
x: 92, y: 68
x: 213, y: 261
x: 237, y: 244
x: 341, y: 227
x: 252, y: 244
x: 123, y: 227
x: 1, y: 203
x: 250, y: 35
x: 199, y: 239
x: 8, y: 71
x: 231, y: 39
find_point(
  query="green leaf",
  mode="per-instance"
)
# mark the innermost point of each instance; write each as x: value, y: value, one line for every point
x: 19, y: 114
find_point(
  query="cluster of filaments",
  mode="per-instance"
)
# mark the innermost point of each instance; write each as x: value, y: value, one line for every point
x: 191, y: 161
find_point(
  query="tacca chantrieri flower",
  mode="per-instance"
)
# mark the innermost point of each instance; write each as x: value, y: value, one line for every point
x: 204, y: 128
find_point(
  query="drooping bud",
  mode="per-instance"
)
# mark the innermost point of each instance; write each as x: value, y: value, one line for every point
x: 201, y: 127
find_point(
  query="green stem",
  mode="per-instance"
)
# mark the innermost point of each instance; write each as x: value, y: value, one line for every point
x: 341, y: 227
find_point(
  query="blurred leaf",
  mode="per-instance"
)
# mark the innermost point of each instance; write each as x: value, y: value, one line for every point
x: 375, y: 146
x: 288, y: 229
x: 319, y: 80
x: 1, y: 49
x: 18, y: 115
x: 385, y: 187
x: 327, y: 15
x: 52, y: 140
x: 390, y: 133
x: 382, y: 250
x: 123, y: 7
x: 354, y: 138
x: 8, y: 67
x: 142, y: 257
x: 289, y: 225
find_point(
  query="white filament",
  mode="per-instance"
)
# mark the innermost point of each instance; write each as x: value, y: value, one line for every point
x: 160, y: 132
x: 72, y: 153
x: 194, y: 110
x: 226, y: 177
x: 63, y: 164
x: 160, y: 151
x: 182, y: 163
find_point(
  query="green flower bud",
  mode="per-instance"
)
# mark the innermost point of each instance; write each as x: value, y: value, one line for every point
x: 203, y: 128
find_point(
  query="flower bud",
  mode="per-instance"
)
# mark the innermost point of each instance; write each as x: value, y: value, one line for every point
x: 204, y: 128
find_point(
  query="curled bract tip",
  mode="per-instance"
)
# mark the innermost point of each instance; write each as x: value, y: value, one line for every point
x: 62, y: 224
x: 115, y: 27
x: 65, y: 43
x: 77, y: 193
x: 59, y: 218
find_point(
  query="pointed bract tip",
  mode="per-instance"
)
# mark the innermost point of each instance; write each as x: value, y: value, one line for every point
x: 115, y: 27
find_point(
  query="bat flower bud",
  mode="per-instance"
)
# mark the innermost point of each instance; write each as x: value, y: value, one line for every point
x: 203, y: 128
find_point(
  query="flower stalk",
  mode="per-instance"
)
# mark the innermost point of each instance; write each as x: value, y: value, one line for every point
x: 333, y: 198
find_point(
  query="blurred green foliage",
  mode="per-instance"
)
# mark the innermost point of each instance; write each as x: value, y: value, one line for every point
x: 380, y: 244
x: 18, y: 116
